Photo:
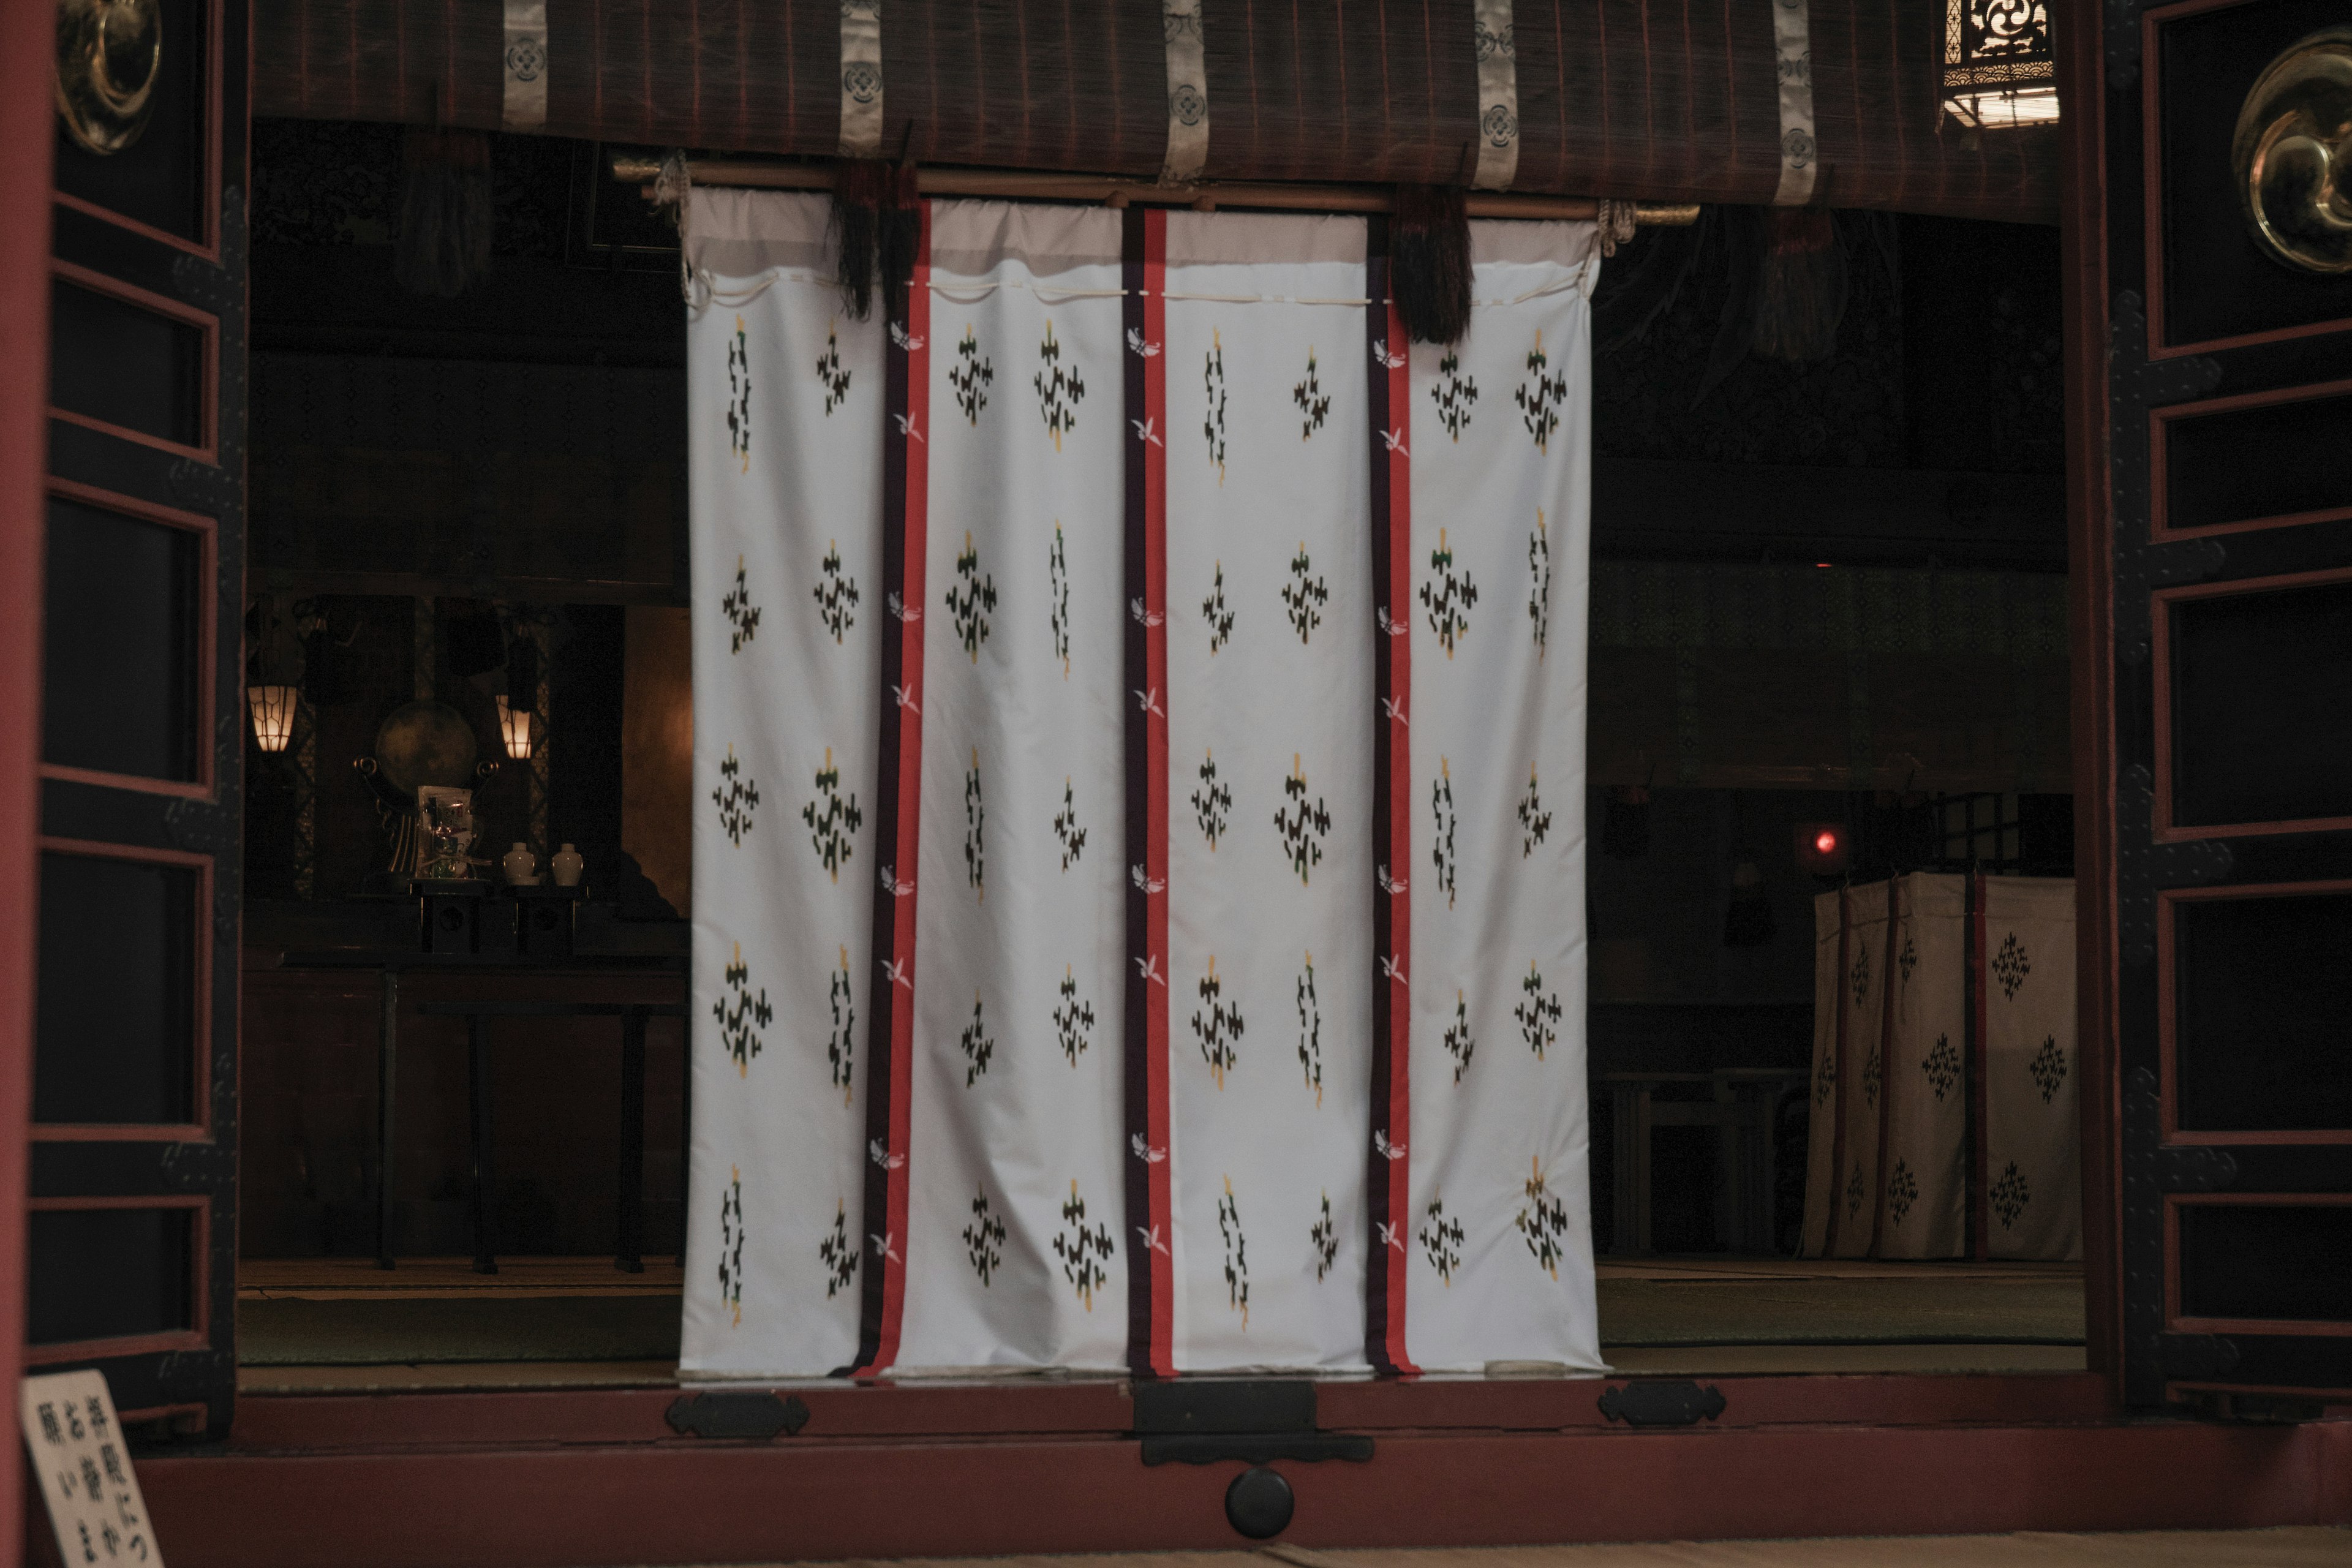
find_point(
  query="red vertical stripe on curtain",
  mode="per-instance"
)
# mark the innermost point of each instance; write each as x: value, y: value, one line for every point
x: 906, y: 496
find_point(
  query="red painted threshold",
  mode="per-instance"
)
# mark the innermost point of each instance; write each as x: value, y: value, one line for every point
x: 309, y: 1424
x: 591, y: 1505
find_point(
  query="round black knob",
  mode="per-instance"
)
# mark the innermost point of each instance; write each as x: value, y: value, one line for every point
x: 1259, y: 1503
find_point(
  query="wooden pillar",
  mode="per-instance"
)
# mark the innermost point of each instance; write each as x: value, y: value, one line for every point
x: 27, y: 49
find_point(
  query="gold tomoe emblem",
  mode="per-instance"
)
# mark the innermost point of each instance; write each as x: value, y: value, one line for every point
x: 110, y: 56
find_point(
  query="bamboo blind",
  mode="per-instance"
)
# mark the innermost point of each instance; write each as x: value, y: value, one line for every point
x: 1650, y: 100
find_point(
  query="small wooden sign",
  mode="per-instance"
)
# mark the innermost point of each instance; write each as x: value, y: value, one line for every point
x: 78, y: 1450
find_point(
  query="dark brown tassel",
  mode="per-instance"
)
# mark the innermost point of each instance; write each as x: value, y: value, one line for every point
x: 1429, y: 262
x: 875, y: 208
x: 859, y: 185
x: 1801, y: 286
x: 445, y: 211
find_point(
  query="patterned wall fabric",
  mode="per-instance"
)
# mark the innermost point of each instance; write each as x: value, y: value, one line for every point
x: 1101, y: 722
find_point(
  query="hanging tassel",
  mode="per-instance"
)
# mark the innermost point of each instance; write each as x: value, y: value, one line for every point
x: 875, y: 207
x: 859, y: 185
x: 1429, y: 262
x: 445, y: 211
x: 1799, y: 286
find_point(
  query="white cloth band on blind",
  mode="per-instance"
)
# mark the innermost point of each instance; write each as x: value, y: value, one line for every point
x: 525, y: 107
x: 861, y: 78
x: 1498, y: 96
x: 1188, y: 92
x: 1793, y: 49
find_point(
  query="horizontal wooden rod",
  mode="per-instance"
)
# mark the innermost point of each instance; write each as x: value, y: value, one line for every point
x: 1206, y: 196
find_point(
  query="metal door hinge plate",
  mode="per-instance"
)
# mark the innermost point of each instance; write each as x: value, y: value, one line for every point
x: 1663, y: 1403
x: 757, y: 1417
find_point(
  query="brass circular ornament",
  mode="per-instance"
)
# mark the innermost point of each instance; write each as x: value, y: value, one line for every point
x: 2293, y: 154
x: 110, y: 56
x: 425, y: 742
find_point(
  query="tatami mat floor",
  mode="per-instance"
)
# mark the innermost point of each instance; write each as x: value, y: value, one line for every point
x: 345, y: 1325
x: 363, y: 1278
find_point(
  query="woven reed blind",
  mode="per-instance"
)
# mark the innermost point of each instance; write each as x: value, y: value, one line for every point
x: 1645, y: 98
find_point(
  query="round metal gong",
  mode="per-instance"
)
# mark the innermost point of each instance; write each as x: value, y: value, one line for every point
x: 2293, y: 154
x: 110, y: 56
x: 425, y: 742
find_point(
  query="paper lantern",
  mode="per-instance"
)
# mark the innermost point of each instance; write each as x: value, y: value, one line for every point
x: 514, y: 729
x: 273, y: 715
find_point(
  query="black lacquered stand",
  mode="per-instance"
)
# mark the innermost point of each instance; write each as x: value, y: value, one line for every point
x: 454, y: 920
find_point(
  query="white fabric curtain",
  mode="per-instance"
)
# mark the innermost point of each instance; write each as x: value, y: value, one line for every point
x: 1270, y: 699
x: 2033, y: 1166
x: 1102, y: 721
x: 1499, y: 541
x: 788, y: 627
x: 1944, y: 1114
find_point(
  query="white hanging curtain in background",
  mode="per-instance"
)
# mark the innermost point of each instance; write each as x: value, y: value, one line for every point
x: 1945, y: 1118
x: 1148, y: 792
x: 1923, y: 1182
x: 2033, y: 1167
x: 1863, y: 1001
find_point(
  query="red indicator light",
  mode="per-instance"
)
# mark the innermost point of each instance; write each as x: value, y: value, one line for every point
x: 1821, y: 847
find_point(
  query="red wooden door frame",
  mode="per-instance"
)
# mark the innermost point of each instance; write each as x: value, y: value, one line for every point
x: 2083, y: 265
x: 27, y: 48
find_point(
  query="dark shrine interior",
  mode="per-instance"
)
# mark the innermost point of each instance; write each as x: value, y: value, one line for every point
x: 481, y: 499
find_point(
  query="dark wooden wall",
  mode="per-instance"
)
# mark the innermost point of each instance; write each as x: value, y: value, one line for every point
x: 309, y: 1109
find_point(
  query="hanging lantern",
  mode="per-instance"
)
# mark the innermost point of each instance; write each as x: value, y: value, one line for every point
x: 273, y: 715
x: 514, y: 729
